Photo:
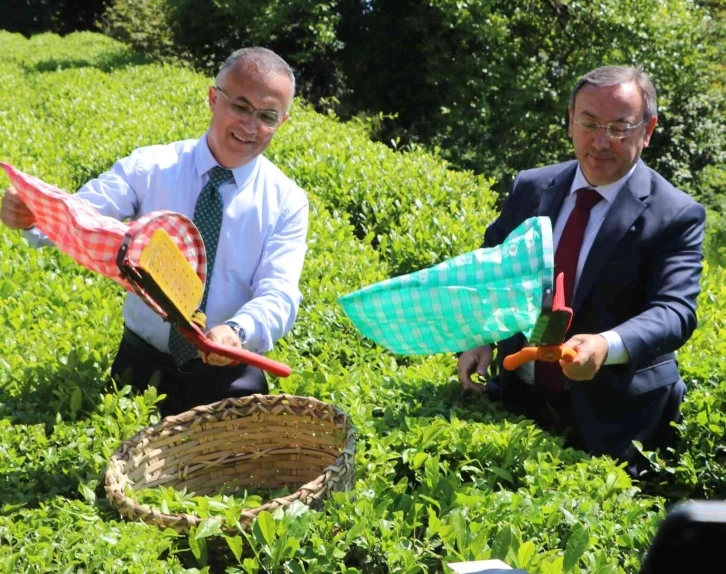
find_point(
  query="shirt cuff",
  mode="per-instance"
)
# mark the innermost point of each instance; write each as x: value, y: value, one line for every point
x: 617, y: 353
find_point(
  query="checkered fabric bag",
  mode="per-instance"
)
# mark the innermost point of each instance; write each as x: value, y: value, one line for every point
x: 473, y: 299
x: 93, y: 240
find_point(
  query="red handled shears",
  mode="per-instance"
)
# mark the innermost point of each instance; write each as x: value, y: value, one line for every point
x: 163, y: 284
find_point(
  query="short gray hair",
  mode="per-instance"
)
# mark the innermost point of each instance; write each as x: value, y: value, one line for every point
x: 264, y: 60
x: 615, y: 75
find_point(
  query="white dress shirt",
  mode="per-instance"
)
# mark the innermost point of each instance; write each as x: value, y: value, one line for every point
x: 617, y: 354
x: 262, y: 243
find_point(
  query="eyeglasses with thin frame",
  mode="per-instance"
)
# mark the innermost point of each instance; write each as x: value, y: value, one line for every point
x: 615, y: 130
x: 242, y: 109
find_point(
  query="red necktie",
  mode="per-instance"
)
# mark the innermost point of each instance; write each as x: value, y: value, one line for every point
x: 549, y: 375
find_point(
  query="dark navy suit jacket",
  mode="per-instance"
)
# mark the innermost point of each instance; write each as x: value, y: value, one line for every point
x: 640, y: 279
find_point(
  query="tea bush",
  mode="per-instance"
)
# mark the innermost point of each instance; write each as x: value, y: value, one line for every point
x: 441, y: 476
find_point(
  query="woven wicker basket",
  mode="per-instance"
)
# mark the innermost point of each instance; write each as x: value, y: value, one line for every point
x: 267, y: 441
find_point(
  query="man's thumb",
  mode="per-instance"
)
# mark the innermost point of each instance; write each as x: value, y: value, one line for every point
x: 481, y: 368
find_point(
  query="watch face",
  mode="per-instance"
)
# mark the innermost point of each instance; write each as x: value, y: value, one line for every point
x: 239, y: 331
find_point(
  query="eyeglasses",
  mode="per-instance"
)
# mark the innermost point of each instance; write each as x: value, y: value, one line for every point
x: 619, y: 130
x: 242, y: 109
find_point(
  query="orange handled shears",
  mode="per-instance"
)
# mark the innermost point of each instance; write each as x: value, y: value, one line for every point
x: 549, y: 331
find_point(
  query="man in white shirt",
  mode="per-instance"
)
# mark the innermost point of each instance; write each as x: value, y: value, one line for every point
x: 253, y: 296
x: 634, y: 274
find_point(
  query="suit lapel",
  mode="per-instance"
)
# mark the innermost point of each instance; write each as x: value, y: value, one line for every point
x: 552, y: 197
x: 624, y: 211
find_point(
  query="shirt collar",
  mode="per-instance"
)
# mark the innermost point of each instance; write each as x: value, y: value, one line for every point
x: 609, y: 191
x: 204, y: 161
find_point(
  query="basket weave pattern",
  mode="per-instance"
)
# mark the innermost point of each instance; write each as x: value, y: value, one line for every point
x: 265, y: 441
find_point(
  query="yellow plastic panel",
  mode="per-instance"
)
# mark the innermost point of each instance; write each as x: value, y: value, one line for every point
x: 168, y: 268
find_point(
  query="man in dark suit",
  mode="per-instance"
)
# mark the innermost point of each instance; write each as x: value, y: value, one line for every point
x: 635, y: 285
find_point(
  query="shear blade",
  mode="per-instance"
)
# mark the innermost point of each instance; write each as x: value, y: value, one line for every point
x: 551, y: 328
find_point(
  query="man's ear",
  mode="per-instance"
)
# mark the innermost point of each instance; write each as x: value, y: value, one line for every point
x: 570, y: 112
x: 211, y: 97
x: 649, y: 129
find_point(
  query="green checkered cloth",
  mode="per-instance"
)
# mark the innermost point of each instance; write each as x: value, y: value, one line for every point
x: 470, y: 300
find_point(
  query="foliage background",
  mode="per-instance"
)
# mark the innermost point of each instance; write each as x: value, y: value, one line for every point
x: 487, y: 81
x: 441, y: 476
x: 483, y: 84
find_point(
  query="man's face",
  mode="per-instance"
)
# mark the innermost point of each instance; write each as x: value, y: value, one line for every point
x: 236, y: 139
x: 604, y: 159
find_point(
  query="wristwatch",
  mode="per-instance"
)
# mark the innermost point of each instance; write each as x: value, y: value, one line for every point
x: 239, y: 331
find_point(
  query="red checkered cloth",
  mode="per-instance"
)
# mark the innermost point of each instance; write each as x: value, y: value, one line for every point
x: 93, y: 240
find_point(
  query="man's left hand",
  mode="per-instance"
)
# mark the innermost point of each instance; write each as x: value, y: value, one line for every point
x: 223, y: 335
x: 592, y: 350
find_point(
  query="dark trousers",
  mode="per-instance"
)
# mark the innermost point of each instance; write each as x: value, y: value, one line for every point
x: 195, y: 384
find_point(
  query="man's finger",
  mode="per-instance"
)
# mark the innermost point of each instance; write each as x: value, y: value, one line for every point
x: 216, y: 359
x: 579, y: 372
x: 467, y: 382
x: 470, y: 385
x: 464, y: 371
x: 574, y: 342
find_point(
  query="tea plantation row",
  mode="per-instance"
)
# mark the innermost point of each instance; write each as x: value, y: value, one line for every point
x: 441, y: 476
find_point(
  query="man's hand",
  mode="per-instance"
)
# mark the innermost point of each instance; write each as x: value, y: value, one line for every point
x: 592, y: 350
x: 476, y: 360
x: 13, y: 211
x: 223, y: 335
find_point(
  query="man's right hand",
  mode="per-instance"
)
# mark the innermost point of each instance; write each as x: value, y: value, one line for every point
x: 13, y: 211
x: 476, y: 360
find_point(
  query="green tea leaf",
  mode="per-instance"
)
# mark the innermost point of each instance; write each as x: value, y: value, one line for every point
x: 502, y: 542
x: 576, y: 546
x: 208, y: 527
x: 502, y: 473
x: 525, y: 553
x: 76, y: 399
x: 419, y: 459
x: 195, y: 546
x: 264, y: 528
x: 235, y: 545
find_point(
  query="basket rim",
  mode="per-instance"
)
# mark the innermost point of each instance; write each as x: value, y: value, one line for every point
x: 115, y: 475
